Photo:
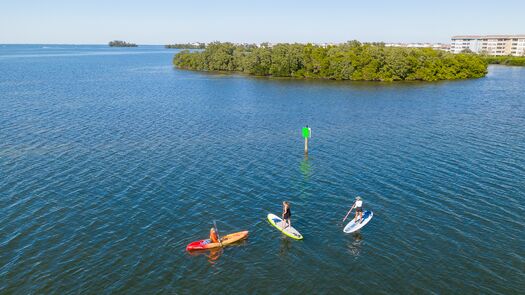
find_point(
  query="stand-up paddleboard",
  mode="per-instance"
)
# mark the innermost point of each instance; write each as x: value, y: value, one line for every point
x: 289, y: 230
x: 352, y: 226
x: 225, y: 241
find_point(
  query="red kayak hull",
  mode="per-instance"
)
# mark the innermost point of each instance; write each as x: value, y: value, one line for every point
x: 226, y: 240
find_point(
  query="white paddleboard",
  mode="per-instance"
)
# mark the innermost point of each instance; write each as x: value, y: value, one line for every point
x: 352, y: 226
x: 289, y: 230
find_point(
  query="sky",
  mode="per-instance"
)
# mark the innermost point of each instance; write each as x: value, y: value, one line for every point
x: 173, y: 21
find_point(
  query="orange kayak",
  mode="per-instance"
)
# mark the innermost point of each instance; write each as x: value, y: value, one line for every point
x: 225, y: 241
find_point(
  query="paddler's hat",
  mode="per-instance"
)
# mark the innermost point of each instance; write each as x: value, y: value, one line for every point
x: 358, y: 198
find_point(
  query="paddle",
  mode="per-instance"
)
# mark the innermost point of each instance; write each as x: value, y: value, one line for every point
x: 348, y: 213
x: 217, y: 232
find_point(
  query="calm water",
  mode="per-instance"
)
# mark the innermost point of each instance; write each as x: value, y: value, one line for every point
x: 111, y: 162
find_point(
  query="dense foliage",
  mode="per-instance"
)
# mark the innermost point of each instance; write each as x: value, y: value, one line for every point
x: 506, y: 60
x: 186, y: 46
x: 349, y: 61
x: 118, y: 43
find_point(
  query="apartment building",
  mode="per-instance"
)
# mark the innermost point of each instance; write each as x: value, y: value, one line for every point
x: 490, y: 44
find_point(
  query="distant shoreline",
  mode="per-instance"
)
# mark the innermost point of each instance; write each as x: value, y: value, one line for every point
x: 518, y: 61
x: 186, y: 46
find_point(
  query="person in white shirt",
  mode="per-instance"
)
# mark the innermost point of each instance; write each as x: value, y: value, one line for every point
x: 358, y: 205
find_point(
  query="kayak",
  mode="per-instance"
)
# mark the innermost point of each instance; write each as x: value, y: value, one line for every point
x: 225, y: 241
x: 289, y: 231
x: 352, y: 226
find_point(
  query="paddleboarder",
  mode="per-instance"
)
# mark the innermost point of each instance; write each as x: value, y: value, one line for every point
x: 358, y: 205
x: 287, y: 214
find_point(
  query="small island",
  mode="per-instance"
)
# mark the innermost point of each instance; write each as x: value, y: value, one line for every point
x: 352, y: 60
x: 186, y: 45
x: 118, y: 43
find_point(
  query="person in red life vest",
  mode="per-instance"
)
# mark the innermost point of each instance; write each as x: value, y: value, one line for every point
x: 213, y: 236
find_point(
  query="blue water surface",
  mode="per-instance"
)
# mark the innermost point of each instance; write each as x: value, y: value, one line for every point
x: 112, y: 161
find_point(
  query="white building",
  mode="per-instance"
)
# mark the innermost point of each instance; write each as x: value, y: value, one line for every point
x: 461, y: 43
x: 490, y: 44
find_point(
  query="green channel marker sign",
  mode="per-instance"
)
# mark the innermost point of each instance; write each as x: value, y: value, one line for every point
x: 307, y: 132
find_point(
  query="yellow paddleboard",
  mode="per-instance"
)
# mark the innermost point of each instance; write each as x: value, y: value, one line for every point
x: 289, y: 231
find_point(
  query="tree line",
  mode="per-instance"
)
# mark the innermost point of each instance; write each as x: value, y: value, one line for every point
x: 186, y: 46
x: 506, y: 60
x: 349, y: 61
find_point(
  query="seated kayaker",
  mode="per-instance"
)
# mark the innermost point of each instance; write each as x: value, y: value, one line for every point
x: 213, y: 236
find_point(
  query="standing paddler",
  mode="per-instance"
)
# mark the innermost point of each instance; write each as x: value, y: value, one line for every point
x: 358, y: 205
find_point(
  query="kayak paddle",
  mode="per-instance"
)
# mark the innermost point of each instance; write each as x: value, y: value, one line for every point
x: 217, y: 231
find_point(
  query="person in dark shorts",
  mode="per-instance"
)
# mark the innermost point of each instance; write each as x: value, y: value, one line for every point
x: 358, y: 205
x: 287, y: 215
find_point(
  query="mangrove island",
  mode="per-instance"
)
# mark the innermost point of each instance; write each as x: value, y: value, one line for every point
x: 349, y: 61
x: 118, y: 43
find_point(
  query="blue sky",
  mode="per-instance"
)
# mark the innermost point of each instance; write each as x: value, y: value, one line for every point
x: 163, y: 21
